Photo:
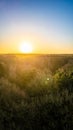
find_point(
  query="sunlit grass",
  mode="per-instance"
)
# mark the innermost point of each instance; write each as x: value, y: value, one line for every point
x: 35, y: 90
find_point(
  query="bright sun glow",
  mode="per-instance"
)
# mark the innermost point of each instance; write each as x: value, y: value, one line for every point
x: 26, y: 47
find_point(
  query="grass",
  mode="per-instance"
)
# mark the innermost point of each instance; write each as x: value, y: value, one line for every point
x: 36, y: 92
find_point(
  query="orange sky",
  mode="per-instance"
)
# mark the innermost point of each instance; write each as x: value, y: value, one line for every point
x: 46, y: 25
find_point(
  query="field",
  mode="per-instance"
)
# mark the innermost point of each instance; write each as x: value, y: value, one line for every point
x: 36, y: 92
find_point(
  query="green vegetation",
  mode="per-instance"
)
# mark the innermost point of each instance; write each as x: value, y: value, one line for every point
x: 36, y: 92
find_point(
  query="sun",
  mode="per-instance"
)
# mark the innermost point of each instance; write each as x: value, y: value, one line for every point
x: 26, y: 47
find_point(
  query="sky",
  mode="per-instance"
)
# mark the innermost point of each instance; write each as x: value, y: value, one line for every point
x: 46, y: 24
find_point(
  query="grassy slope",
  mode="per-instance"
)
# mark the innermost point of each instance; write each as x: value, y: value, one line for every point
x: 36, y: 92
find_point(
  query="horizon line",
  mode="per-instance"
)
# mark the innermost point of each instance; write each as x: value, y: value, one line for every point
x: 36, y: 53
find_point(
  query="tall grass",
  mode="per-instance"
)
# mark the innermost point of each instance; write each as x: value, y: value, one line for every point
x: 36, y: 92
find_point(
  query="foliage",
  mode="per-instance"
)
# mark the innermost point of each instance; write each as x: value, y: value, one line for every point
x: 36, y: 92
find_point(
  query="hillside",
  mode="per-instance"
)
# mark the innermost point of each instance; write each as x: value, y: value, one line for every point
x: 36, y: 92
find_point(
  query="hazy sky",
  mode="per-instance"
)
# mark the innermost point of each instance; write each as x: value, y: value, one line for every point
x: 47, y: 24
